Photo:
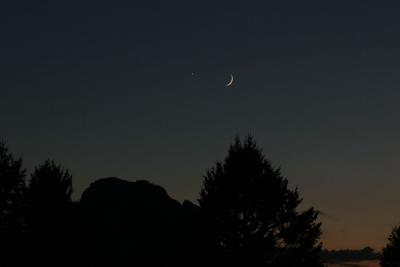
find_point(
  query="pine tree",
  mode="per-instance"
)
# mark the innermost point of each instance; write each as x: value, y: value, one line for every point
x: 50, y: 215
x: 12, y: 189
x: 391, y: 253
x: 253, y: 214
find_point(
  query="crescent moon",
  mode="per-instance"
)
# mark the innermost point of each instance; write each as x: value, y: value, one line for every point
x: 230, y: 82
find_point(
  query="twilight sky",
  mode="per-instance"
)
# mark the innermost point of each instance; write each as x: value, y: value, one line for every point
x: 106, y: 88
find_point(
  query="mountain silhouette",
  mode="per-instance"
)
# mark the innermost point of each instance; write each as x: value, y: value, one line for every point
x: 137, y: 224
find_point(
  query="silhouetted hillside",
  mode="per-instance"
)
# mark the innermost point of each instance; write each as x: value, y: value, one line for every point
x: 136, y: 224
x: 344, y: 255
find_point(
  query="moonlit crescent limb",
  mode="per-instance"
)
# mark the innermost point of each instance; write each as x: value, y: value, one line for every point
x: 230, y: 82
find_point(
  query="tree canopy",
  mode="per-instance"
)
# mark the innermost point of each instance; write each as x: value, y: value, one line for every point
x: 50, y: 184
x: 50, y: 215
x: 253, y: 214
x: 12, y: 205
x: 391, y: 253
x: 248, y: 216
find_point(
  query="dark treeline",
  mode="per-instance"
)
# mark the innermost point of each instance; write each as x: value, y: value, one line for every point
x: 346, y: 255
x: 245, y: 216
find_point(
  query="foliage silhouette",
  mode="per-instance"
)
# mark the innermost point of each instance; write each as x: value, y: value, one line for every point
x: 50, y: 206
x: 50, y: 186
x: 391, y: 253
x: 12, y: 207
x: 254, y: 215
x: 247, y: 217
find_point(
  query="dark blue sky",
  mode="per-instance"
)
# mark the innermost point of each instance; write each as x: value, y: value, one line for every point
x: 106, y: 88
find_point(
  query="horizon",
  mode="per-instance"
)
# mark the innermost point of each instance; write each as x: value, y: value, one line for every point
x: 322, y: 216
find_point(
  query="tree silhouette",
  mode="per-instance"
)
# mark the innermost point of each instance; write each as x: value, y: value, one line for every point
x: 12, y: 188
x: 50, y: 186
x: 254, y: 215
x: 49, y: 221
x: 391, y: 253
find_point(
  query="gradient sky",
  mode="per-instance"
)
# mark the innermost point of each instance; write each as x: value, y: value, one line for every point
x: 106, y: 88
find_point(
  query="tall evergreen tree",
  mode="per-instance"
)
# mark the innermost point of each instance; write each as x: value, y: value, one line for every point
x: 254, y: 216
x: 50, y: 210
x: 391, y: 253
x: 12, y: 189
x: 50, y: 186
